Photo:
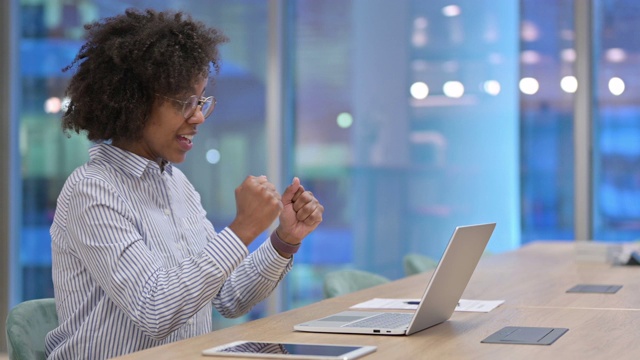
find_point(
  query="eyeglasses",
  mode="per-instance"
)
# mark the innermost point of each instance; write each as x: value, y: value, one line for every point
x: 190, y: 105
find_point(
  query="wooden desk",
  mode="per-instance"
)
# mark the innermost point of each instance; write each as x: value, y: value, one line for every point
x: 539, y: 274
x: 532, y: 280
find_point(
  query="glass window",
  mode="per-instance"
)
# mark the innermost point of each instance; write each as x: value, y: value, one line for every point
x: 406, y: 125
x: 410, y: 117
x: 230, y: 145
x: 49, y: 40
x: 616, y: 157
x: 547, y: 85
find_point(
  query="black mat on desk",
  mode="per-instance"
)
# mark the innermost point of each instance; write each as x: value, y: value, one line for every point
x: 525, y: 335
x: 590, y: 288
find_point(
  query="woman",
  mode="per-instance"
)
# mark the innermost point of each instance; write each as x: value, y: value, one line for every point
x: 136, y: 263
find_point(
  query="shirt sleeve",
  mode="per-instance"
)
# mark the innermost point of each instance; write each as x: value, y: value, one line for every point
x: 103, y: 232
x: 252, y: 281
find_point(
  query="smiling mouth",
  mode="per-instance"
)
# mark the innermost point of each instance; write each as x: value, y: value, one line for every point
x: 187, y: 138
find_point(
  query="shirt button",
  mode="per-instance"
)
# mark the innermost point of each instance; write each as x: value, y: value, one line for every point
x: 190, y: 321
x: 167, y: 211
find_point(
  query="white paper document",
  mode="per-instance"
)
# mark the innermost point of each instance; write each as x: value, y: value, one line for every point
x: 412, y: 304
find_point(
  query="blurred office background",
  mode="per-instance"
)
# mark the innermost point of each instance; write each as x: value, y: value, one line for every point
x: 405, y: 118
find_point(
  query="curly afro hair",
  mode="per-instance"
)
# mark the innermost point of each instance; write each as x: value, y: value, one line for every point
x: 126, y: 61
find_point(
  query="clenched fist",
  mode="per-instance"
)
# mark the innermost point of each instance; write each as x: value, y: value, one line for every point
x: 301, y: 213
x: 258, y: 205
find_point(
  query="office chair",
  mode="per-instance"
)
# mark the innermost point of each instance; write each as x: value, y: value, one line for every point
x: 27, y: 325
x: 342, y: 282
x: 416, y: 263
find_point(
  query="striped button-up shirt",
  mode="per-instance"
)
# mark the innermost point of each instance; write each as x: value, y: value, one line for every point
x: 137, y: 264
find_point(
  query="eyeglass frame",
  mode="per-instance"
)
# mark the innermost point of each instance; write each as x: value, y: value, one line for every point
x: 201, y: 101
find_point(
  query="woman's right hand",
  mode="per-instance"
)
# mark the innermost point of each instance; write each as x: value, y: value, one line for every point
x: 258, y: 205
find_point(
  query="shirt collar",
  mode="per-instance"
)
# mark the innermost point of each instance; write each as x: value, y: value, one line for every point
x: 128, y: 161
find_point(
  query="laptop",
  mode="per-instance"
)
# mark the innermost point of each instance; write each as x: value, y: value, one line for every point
x: 438, y: 302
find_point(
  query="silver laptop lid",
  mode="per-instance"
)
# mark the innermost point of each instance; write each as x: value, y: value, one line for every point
x: 451, y: 276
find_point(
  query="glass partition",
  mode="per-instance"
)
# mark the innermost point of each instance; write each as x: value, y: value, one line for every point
x: 410, y: 117
x: 407, y: 126
x: 547, y: 85
x: 230, y: 145
x: 616, y: 155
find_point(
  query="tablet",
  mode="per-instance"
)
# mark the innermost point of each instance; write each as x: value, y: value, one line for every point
x: 265, y: 349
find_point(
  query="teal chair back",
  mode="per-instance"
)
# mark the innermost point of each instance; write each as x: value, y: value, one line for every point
x: 27, y: 325
x: 342, y: 282
x: 417, y: 263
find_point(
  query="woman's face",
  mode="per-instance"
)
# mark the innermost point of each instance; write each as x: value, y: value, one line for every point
x: 167, y: 134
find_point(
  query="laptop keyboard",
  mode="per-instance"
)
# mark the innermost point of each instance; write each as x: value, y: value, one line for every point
x: 383, y: 321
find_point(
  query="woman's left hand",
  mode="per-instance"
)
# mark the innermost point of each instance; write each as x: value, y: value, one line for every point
x: 300, y: 215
